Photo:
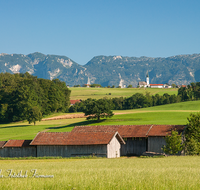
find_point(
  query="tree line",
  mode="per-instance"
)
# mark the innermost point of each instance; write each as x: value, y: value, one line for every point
x: 23, y: 96
x: 137, y: 100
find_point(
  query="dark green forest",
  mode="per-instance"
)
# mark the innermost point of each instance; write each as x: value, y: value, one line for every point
x: 20, y: 94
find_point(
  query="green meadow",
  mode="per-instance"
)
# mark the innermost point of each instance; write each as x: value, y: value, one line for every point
x: 97, y: 93
x: 181, y: 172
x: 171, y: 114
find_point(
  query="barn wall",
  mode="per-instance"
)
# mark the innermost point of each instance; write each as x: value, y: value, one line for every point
x: 155, y: 144
x: 71, y: 151
x: 113, y: 148
x: 134, y: 146
x: 2, y: 152
x: 18, y: 152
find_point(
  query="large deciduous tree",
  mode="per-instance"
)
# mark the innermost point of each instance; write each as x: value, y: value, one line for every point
x: 96, y: 109
x: 34, y: 114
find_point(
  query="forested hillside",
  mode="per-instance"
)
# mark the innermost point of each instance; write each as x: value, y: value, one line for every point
x: 20, y: 94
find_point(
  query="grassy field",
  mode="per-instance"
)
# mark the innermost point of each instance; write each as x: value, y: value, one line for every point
x: 165, y: 114
x: 97, y: 93
x: 120, y: 173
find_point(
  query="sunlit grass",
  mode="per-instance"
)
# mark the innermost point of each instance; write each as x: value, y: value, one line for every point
x: 121, y: 173
x: 97, y: 93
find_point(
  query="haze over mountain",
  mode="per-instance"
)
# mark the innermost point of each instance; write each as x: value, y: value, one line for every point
x: 106, y: 70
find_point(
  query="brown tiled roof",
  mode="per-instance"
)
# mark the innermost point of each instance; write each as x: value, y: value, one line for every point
x: 17, y: 143
x: 48, y: 138
x: 2, y: 143
x: 124, y: 130
x: 91, y: 138
x: 164, y: 130
x: 81, y: 138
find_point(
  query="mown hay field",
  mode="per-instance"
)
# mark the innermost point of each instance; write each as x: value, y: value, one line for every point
x: 97, y: 93
x: 120, y: 173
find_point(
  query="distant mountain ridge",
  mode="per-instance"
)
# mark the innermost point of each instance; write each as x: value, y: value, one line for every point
x: 106, y: 70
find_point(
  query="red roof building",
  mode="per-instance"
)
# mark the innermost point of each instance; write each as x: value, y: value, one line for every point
x: 72, y: 102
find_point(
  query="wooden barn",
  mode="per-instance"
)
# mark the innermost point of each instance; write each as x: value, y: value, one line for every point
x: 18, y: 148
x: 67, y: 144
x: 138, y: 138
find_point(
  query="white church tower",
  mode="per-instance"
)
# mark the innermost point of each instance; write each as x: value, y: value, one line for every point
x: 147, y: 80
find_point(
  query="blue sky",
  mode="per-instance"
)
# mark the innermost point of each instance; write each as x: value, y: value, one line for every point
x: 82, y: 29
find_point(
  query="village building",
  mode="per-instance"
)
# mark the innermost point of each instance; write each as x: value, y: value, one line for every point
x: 73, y: 102
x: 146, y: 84
x: 157, y: 85
x: 67, y: 144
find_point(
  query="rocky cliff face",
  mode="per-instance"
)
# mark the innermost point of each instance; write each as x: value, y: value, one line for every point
x: 106, y: 70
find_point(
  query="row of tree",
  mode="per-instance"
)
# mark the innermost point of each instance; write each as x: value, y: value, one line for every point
x: 22, y: 96
x: 190, y: 92
x: 137, y: 100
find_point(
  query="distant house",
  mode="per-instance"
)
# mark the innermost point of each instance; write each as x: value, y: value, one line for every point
x: 67, y: 144
x: 156, y: 85
x: 18, y: 148
x: 167, y: 86
x: 144, y: 84
x: 72, y: 102
x: 147, y: 84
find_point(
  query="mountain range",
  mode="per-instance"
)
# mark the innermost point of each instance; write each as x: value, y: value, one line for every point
x: 106, y: 70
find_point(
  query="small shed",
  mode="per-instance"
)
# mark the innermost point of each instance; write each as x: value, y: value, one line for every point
x: 68, y: 144
x: 157, y: 134
x: 18, y: 148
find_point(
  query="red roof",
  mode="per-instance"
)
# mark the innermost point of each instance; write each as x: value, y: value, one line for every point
x: 2, y: 143
x: 74, y: 101
x: 128, y: 131
x: 47, y: 138
x: 124, y: 130
x: 17, y: 143
x: 68, y: 138
x: 164, y: 130
x: 156, y: 84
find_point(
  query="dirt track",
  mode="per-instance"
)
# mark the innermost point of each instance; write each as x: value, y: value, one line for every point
x: 81, y: 115
x: 70, y: 116
x: 67, y: 116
